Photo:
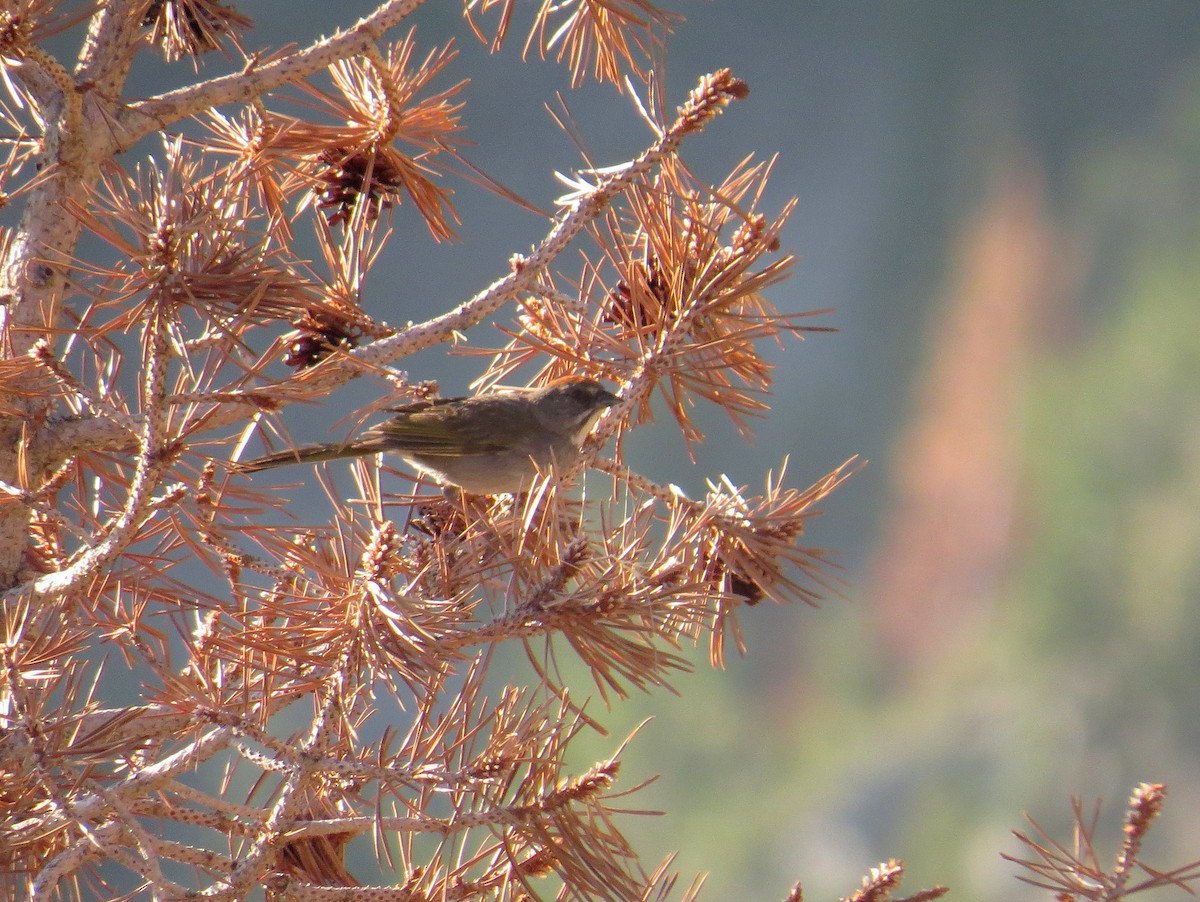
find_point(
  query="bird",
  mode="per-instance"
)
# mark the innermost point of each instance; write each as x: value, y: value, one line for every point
x: 490, y: 444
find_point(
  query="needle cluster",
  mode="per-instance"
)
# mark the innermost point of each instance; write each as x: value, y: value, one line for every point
x: 1075, y: 871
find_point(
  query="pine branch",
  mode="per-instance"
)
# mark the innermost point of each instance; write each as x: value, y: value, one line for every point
x: 141, y: 118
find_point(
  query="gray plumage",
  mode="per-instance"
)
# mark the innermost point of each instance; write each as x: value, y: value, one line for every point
x: 486, y: 445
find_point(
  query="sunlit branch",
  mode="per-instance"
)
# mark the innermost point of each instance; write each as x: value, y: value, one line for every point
x: 143, y: 117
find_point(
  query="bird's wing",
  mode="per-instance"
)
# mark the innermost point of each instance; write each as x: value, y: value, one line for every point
x: 450, y: 426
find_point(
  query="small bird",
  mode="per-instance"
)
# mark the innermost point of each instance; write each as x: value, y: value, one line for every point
x: 486, y: 445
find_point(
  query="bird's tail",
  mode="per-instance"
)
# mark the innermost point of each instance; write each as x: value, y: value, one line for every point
x: 306, y: 454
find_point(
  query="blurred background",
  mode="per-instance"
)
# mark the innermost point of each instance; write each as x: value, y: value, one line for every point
x: 1000, y: 199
